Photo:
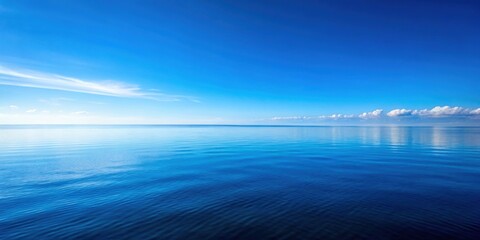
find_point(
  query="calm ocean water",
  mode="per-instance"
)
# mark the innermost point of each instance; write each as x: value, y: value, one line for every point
x: 224, y: 182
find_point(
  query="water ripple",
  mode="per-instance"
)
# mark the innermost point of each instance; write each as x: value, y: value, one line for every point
x: 239, y: 183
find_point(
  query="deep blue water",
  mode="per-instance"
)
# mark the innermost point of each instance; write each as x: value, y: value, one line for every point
x: 204, y: 182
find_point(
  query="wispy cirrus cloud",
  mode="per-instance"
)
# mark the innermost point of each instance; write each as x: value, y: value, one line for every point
x: 35, y: 79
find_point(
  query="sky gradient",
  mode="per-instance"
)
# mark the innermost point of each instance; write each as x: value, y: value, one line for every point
x: 240, y: 62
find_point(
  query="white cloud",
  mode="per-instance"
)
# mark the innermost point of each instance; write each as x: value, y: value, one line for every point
x: 291, y: 118
x: 373, y: 114
x: 337, y: 116
x: 13, y: 107
x: 27, y: 78
x: 475, y: 111
x: 333, y: 117
x: 445, y: 110
x: 436, y: 112
x: 399, y: 112
x: 33, y: 110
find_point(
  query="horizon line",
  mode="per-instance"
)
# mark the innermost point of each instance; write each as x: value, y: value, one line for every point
x: 222, y: 125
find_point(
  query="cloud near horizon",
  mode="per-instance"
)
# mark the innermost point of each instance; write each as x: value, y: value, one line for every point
x: 34, y: 79
x: 437, y: 112
x: 373, y: 114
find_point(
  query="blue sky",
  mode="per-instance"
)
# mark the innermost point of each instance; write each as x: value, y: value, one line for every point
x: 240, y: 62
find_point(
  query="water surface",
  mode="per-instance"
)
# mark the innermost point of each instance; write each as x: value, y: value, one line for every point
x: 226, y: 182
